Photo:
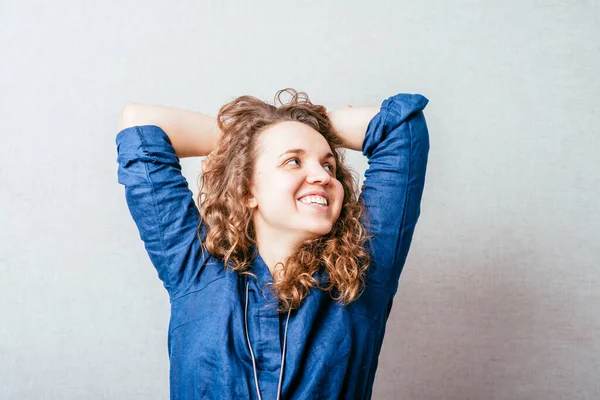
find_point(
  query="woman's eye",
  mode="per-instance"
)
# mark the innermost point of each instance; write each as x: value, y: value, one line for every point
x: 331, y: 167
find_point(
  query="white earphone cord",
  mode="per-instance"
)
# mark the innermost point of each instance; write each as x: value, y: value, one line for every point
x: 252, y: 352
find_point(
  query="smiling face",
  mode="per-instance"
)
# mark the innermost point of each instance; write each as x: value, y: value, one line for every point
x: 293, y: 161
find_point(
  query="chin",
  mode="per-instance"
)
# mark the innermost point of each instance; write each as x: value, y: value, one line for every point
x: 320, y: 232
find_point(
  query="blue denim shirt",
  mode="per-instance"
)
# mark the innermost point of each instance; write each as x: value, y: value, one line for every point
x: 226, y: 337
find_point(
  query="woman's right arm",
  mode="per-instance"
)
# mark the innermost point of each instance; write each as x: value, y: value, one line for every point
x: 150, y: 141
x: 191, y: 133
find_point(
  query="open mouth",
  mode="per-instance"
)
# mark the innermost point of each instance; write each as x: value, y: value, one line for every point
x: 315, y: 202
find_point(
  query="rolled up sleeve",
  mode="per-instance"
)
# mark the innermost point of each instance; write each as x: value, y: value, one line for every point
x: 160, y: 203
x: 397, y: 145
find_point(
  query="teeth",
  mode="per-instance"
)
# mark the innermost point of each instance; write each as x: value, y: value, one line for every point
x: 314, y: 199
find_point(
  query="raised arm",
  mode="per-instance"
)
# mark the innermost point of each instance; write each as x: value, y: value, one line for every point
x: 192, y: 134
x: 150, y: 141
x: 396, y: 144
x: 350, y: 124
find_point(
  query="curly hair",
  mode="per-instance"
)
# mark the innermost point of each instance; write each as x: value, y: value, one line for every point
x: 230, y: 233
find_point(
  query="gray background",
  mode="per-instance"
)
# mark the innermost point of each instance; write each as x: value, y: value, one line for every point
x: 500, y: 296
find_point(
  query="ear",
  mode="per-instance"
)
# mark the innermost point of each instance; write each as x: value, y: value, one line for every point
x: 249, y: 199
x: 251, y: 202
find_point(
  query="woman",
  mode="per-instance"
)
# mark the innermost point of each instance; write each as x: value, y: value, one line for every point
x: 278, y: 209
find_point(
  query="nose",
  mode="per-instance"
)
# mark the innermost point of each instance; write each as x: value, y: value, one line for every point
x: 318, y: 174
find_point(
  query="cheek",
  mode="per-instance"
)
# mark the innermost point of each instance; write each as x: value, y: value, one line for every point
x: 339, y: 191
x: 277, y: 188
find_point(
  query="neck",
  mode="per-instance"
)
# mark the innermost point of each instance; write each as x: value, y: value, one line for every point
x: 275, y: 248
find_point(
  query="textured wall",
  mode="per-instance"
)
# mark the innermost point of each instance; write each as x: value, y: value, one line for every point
x: 500, y: 296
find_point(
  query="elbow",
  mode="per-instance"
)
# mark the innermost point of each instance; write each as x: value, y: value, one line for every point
x: 127, y: 117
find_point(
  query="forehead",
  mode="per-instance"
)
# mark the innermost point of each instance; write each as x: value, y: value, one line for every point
x: 287, y: 135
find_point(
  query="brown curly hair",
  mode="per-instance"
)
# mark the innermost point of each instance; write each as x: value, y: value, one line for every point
x: 227, y: 180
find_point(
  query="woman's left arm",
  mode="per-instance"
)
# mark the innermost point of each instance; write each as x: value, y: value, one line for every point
x: 395, y: 140
x: 350, y: 124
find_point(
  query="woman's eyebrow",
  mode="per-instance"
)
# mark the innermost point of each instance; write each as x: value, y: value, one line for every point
x: 302, y: 152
